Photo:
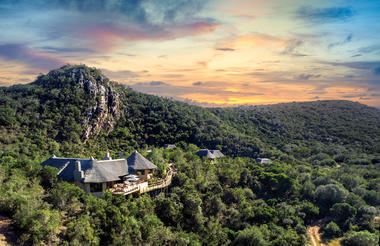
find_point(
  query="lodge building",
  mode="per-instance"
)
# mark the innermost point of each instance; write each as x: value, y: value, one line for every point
x: 95, y: 176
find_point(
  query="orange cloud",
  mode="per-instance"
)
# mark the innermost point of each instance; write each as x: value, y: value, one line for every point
x: 259, y: 39
x: 254, y: 40
x: 108, y: 37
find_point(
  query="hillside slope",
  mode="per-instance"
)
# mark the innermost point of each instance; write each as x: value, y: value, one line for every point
x: 76, y: 109
x: 325, y: 167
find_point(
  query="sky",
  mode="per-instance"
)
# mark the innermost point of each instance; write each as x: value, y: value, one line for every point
x: 205, y: 52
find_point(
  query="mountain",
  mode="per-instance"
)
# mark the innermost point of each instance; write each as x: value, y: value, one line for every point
x: 324, y: 168
x: 76, y: 109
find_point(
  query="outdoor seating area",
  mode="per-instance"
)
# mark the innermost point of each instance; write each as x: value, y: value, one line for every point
x: 134, y: 184
x: 127, y: 187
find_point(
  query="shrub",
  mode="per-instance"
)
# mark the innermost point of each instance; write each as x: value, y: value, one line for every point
x: 361, y: 238
x: 331, y: 230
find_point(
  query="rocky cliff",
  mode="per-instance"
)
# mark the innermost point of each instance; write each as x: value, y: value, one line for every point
x: 102, y: 107
x: 104, y: 113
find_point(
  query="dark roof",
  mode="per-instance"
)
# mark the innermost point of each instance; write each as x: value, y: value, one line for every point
x: 138, y: 162
x: 66, y: 166
x: 105, y: 171
x: 205, y: 153
x: 95, y: 171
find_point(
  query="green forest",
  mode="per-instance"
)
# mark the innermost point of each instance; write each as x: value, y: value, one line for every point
x: 325, y: 167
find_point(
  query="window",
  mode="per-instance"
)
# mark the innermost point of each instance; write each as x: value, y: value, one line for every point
x: 110, y: 184
x: 95, y: 187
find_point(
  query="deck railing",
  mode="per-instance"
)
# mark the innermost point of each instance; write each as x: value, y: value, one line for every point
x: 125, y: 189
x: 161, y: 183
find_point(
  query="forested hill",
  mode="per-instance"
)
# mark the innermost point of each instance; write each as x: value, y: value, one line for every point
x: 325, y: 167
x: 77, y: 110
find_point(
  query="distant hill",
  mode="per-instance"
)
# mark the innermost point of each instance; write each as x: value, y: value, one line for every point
x: 77, y: 110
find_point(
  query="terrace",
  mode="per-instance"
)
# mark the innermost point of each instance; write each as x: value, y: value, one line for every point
x: 142, y: 185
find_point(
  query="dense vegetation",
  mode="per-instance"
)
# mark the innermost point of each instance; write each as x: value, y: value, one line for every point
x: 326, y: 165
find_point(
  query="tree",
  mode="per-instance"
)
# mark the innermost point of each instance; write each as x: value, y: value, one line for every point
x: 39, y: 225
x: 361, y: 238
x: 168, y: 210
x: 342, y: 211
x: 331, y: 230
x: 48, y: 176
x: 251, y: 236
x: 328, y: 195
x: 80, y: 232
x: 310, y: 210
x: 215, y: 234
x: 66, y: 197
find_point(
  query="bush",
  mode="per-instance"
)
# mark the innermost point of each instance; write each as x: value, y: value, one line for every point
x: 66, y: 196
x: 342, y: 211
x: 251, y: 236
x: 39, y: 225
x: 361, y: 238
x: 330, y: 194
x: 80, y: 232
x: 331, y: 230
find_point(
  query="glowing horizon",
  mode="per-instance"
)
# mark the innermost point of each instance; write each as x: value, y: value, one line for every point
x: 213, y: 53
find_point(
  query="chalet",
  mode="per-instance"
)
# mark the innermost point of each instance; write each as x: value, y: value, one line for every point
x: 169, y: 146
x: 263, y: 160
x: 217, y: 153
x: 95, y: 176
x: 138, y: 164
x: 210, y: 154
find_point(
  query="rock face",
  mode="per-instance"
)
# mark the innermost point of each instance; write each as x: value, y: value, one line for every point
x: 103, y: 114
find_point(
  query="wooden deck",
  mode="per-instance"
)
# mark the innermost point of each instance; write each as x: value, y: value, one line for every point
x: 161, y: 183
x: 124, y: 190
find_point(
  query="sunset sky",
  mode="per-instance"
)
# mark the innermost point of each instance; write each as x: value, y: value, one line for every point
x: 212, y: 53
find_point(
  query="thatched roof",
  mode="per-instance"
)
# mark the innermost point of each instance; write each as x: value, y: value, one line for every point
x: 66, y: 166
x: 95, y: 171
x: 138, y: 162
x: 210, y: 154
x: 205, y: 153
x: 98, y: 171
x: 217, y: 153
x: 105, y: 171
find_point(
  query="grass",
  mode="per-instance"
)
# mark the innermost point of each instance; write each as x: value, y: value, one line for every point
x: 335, y: 242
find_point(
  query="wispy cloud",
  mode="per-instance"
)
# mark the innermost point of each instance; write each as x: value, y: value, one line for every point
x: 252, y: 39
x: 225, y: 49
x: 139, y: 11
x: 373, y: 66
x: 123, y: 74
x: 348, y: 39
x: 52, y: 49
x: 369, y: 49
x: 157, y: 83
x: 105, y: 25
x: 24, y: 55
x: 291, y: 48
x: 308, y: 76
x: 325, y: 14
x: 169, y: 90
